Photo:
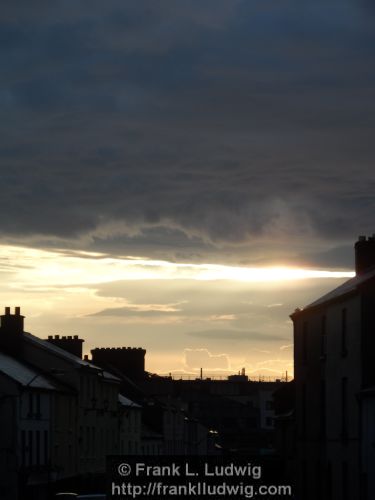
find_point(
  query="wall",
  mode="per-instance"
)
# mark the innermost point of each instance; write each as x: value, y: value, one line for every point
x: 326, y: 454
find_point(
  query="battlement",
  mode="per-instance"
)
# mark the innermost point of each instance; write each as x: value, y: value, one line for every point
x: 70, y: 343
x: 136, y: 349
x: 129, y: 360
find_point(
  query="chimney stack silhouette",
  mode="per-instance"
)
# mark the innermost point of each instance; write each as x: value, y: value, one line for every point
x: 11, y: 330
x: 364, y: 254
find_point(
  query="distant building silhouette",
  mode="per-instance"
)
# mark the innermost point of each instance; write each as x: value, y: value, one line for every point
x: 285, y: 428
x: 72, y: 344
x: 334, y: 346
x: 61, y: 415
x: 240, y: 411
x: 129, y: 361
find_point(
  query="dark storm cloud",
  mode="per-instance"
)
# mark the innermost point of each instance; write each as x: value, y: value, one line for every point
x: 188, y: 129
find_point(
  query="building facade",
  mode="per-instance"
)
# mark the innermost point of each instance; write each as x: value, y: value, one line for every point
x: 75, y: 421
x: 333, y: 349
x: 26, y: 412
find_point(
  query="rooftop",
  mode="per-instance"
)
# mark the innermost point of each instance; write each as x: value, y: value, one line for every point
x: 124, y: 401
x: 344, y: 289
x: 67, y: 356
x: 24, y: 374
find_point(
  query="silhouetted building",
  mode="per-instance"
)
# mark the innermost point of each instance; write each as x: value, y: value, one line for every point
x: 80, y: 409
x: 72, y: 344
x: 238, y: 410
x: 152, y: 442
x: 334, y: 345
x: 130, y: 426
x: 285, y: 439
x: 26, y: 409
x: 368, y: 442
x: 128, y: 360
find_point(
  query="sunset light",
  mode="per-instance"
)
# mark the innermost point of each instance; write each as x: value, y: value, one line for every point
x: 42, y: 268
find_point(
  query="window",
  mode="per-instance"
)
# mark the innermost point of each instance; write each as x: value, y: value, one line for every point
x: 23, y: 447
x: 344, y: 407
x: 30, y: 433
x: 322, y: 408
x: 87, y: 447
x: 46, y: 445
x: 345, y: 482
x: 323, y: 346
x: 269, y: 405
x: 329, y: 481
x: 303, y: 478
x: 344, y: 350
x: 37, y: 447
x: 38, y: 414
x: 93, y: 443
x: 31, y: 405
x: 304, y: 341
x: 304, y: 412
x: 318, y: 469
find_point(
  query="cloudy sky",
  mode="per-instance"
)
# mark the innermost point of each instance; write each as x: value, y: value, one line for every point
x: 157, y: 155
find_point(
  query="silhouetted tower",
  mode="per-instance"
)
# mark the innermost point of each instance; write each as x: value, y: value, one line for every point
x: 128, y: 360
x: 72, y: 344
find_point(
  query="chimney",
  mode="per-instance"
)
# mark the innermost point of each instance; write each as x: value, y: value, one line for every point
x: 11, y: 331
x: 13, y: 322
x: 364, y: 254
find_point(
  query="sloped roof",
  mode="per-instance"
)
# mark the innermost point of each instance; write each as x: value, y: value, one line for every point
x: 24, y: 374
x: 67, y: 356
x: 123, y: 400
x: 347, y: 287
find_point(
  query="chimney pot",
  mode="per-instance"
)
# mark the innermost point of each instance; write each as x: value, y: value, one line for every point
x: 17, y: 311
x: 7, y: 310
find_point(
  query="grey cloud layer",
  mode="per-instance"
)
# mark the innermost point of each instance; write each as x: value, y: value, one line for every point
x: 189, y: 129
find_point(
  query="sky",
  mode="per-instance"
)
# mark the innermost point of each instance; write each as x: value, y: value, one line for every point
x: 157, y: 158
